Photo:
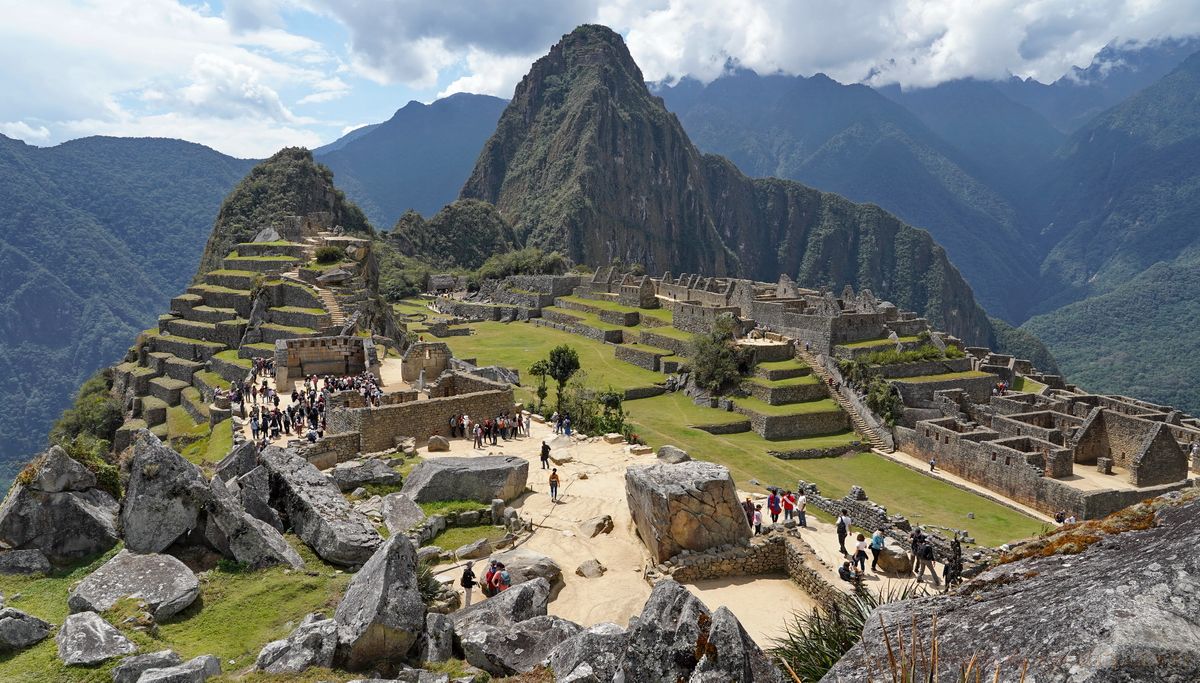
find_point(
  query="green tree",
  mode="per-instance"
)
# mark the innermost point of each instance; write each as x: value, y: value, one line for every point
x: 541, y: 370
x: 716, y: 359
x: 563, y: 364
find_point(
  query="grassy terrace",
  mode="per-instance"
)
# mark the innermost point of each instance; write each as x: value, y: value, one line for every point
x: 789, y: 364
x: 659, y: 313
x: 231, y: 356
x: 871, y: 343
x: 518, y: 345
x: 824, y: 405
x: 663, y: 419
x: 411, y: 306
x: 1028, y: 385
x: 790, y: 382
x: 289, y: 329
x: 239, y: 273
x: 238, y: 612
x: 969, y: 374
x: 270, y: 257
x: 299, y: 309
x: 589, y: 319
x: 218, y: 289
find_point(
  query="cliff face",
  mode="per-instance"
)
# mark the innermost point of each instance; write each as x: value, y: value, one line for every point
x: 1107, y: 600
x: 585, y: 160
x: 289, y: 184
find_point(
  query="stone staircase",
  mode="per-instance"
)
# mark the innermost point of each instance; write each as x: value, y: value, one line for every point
x: 860, y: 425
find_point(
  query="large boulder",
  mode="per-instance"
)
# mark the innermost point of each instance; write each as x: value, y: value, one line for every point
x: 595, y: 526
x: 250, y: 541
x: 894, y: 559
x: 676, y: 638
x: 313, y: 643
x: 195, y: 670
x: 32, y: 561
x: 131, y: 668
x: 381, y: 614
x: 86, y: 639
x: 437, y: 444
x: 524, y: 565
x: 68, y: 520
x: 240, y: 462
x: 591, y: 656
x: 19, y: 630
x: 437, y: 643
x: 514, y: 605
x: 400, y: 513
x: 164, y: 496
x: 318, y: 513
x: 670, y: 455
x: 59, y: 472
x: 162, y: 582
x: 515, y: 648
x: 254, y: 493
x: 689, y: 506
x: 481, y: 479
x: 1090, y: 602
x: 353, y: 474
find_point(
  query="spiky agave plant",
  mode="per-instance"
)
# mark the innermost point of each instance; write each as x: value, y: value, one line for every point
x: 815, y: 640
x: 918, y: 662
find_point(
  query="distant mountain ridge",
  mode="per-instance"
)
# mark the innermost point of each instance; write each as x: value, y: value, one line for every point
x: 586, y: 160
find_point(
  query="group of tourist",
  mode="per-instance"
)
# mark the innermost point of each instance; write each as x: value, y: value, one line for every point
x: 364, y: 383
x: 495, y: 581
x: 562, y: 423
x: 304, y: 417
x: 1064, y: 517
x: 506, y: 426
x: 1000, y: 389
x: 790, y: 505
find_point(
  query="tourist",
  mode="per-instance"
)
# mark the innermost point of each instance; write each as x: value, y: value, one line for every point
x: 1070, y: 519
x: 557, y: 422
x: 773, y: 505
x: 1060, y: 516
x: 545, y: 455
x: 467, y: 582
x: 1196, y: 452
x: 877, y: 542
x: 843, y: 529
x: 748, y: 508
x: 915, y: 538
x: 925, y: 559
x: 789, y: 504
x: 529, y: 425
x: 849, y: 574
x: 554, y: 485
x: 801, y: 507
x: 478, y: 436
x: 488, y: 576
x: 933, y: 464
x: 566, y: 425
x: 757, y: 520
x: 502, y: 580
x: 860, y: 552
x: 254, y: 426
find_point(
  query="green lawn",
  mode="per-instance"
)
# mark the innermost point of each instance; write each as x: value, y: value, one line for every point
x: 208, y: 450
x: 236, y: 615
x: 457, y: 537
x: 659, y: 313
x: 824, y: 405
x: 231, y: 356
x: 969, y: 374
x: 1023, y: 383
x: 299, y: 309
x: 589, y: 319
x: 662, y: 419
x: 790, y: 382
x: 519, y: 345
x: 789, y: 364
x: 870, y: 343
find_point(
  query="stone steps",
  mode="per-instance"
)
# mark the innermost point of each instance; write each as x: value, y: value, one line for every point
x: 167, y: 389
x: 154, y: 410
x: 860, y: 425
x: 239, y: 300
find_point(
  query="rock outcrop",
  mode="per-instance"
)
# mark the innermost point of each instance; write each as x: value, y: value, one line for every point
x: 239, y: 535
x: 240, y: 462
x: 351, y: 475
x: 515, y: 648
x: 437, y: 643
x: 86, y: 639
x: 164, y: 497
x: 400, y: 513
x: 482, y: 479
x: 525, y: 601
x: 591, y: 656
x: 254, y: 493
x: 162, y: 582
x: 317, y: 511
x: 313, y: 643
x: 670, y: 455
x: 69, y: 520
x: 31, y: 561
x: 131, y: 668
x: 382, y: 614
x: 676, y: 638
x: 689, y: 506
x: 595, y: 526
x: 195, y: 670
x: 1115, y: 599
x: 524, y: 565
x: 19, y: 630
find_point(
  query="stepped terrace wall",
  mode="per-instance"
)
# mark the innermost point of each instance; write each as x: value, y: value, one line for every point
x: 378, y: 428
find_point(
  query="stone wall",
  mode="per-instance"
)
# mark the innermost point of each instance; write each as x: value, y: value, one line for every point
x: 330, y: 450
x: 817, y: 453
x: 801, y: 564
x: 624, y: 318
x: 791, y: 393
x: 607, y: 336
x: 917, y: 393
x: 779, y: 427
x: 679, y: 347
x: 340, y: 355
x: 640, y: 356
x: 425, y: 359
x: 378, y: 428
x: 764, y: 555
x: 697, y: 318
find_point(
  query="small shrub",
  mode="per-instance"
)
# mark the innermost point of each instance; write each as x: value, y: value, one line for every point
x: 427, y: 583
x: 716, y: 359
x: 330, y: 254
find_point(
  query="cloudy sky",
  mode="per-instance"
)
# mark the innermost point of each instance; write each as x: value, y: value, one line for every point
x: 249, y: 76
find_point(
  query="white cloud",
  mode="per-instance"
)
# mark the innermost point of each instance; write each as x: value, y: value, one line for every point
x: 23, y: 131
x: 227, y: 89
x: 488, y: 74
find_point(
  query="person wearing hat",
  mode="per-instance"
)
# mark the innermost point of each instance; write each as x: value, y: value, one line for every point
x: 468, y: 582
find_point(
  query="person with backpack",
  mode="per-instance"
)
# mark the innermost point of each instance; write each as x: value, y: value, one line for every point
x: 877, y: 542
x: 773, y: 506
x: 915, y: 539
x: 488, y: 578
x: 468, y: 582
x: 925, y: 558
x: 860, y: 553
x: 500, y: 579
x: 545, y: 455
x: 843, y: 529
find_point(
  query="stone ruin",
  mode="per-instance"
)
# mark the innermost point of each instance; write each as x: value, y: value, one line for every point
x: 690, y: 506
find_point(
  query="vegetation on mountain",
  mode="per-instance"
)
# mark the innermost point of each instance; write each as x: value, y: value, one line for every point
x: 463, y: 235
x: 96, y: 235
x: 416, y: 160
x: 290, y: 183
x: 586, y: 160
